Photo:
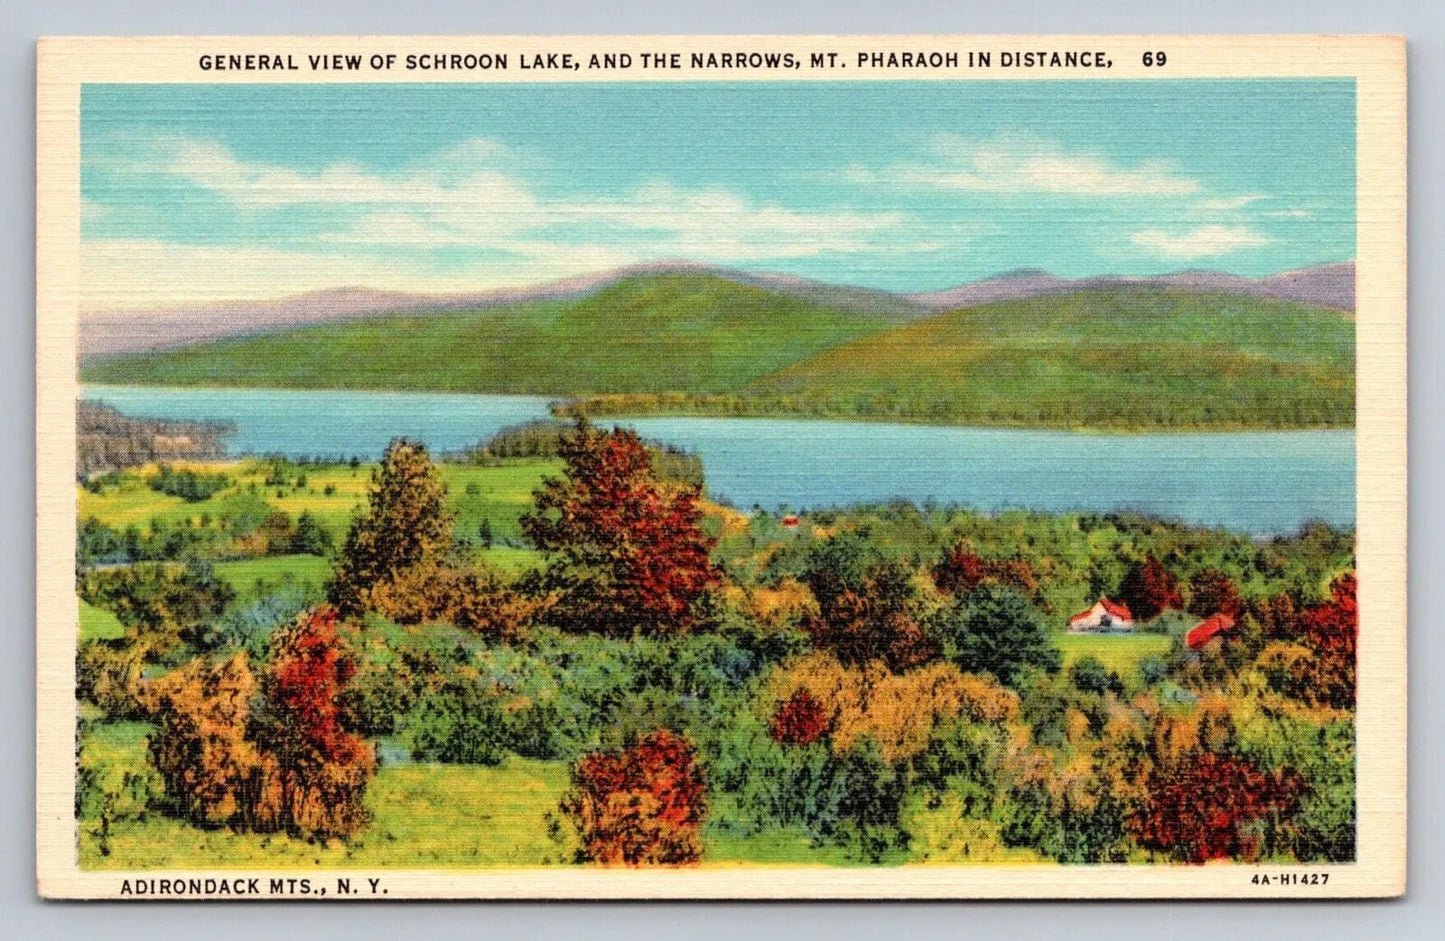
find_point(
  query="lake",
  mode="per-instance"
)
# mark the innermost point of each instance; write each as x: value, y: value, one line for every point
x: 1257, y: 482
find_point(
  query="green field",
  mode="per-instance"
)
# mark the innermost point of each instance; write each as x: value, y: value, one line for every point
x: 498, y: 494
x: 423, y: 816
x: 1120, y: 653
x: 98, y: 624
x: 1117, y: 359
x: 248, y: 575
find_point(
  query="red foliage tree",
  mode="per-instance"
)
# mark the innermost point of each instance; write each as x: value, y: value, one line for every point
x: 1209, y: 806
x: 960, y: 571
x: 323, y: 767
x: 627, y: 550
x: 1333, y: 630
x: 1149, y: 588
x: 641, y: 805
x: 1212, y: 592
x: 865, y: 605
x: 800, y: 720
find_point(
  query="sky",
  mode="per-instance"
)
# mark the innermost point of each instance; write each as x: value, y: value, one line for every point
x: 196, y: 194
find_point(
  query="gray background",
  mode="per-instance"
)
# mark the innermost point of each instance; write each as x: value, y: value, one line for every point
x: 1421, y: 915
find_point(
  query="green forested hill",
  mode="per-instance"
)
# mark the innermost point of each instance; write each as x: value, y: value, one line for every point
x: 1136, y: 357
x: 1117, y: 358
x: 645, y: 334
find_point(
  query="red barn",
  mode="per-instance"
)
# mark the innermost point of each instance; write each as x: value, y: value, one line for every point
x: 790, y: 522
x: 1208, y: 629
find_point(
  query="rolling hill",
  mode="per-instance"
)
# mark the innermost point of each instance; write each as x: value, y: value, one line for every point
x: 654, y: 333
x: 1132, y: 356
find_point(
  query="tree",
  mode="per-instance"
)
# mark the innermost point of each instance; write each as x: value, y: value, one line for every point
x: 960, y: 571
x: 1209, y: 806
x: 626, y: 551
x: 213, y: 771
x: 407, y: 523
x: 1333, y: 630
x: 1148, y: 589
x: 1212, y: 592
x: 864, y: 605
x: 641, y: 805
x: 311, y: 538
x: 799, y: 720
x: 995, y: 630
x: 1091, y: 676
x: 323, y: 767
x: 160, y: 607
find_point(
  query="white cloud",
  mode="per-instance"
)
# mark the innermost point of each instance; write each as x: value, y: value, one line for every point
x: 463, y: 199
x: 1018, y: 166
x: 1201, y: 242
x: 466, y: 172
x: 1290, y: 214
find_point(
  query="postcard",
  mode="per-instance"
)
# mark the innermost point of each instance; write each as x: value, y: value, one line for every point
x: 721, y: 467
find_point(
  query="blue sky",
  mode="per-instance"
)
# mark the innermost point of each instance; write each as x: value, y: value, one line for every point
x: 200, y: 193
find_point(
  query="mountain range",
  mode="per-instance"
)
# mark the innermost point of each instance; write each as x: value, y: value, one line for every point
x: 107, y: 333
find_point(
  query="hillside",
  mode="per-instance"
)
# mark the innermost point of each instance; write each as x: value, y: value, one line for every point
x: 654, y: 333
x: 107, y: 333
x: 1110, y: 358
x: 1135, y: 357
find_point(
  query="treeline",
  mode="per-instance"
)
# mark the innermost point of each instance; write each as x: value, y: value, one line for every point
x: 1213, y: 414
x: 245, y: 535
x: 545, y: 439
x: 107, y: 440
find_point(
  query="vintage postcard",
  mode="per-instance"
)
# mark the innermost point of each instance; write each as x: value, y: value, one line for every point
x: 743, y: 467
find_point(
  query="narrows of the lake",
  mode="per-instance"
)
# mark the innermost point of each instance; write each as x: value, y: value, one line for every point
x: 1258, y: 482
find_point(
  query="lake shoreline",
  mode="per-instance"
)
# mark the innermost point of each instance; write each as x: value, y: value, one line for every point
x: 599, y: 407
x: 1257, y: 481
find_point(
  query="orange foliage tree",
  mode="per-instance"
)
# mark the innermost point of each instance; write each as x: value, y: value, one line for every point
x: 641, y: 805
x: 264, y: 753
x: 213, y: 772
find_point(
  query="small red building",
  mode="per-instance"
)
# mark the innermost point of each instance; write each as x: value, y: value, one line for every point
x: 1208, y: 629
x: 1104, y: 617
x: 790, y: 522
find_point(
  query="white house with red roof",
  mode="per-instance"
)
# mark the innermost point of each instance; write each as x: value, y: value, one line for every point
x: 1105, y: 617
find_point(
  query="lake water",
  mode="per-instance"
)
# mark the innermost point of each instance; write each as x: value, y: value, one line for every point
x: 1258, y: 482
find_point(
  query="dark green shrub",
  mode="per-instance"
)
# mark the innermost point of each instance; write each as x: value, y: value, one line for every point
x: 459, y: 724
x: 995, y: 630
